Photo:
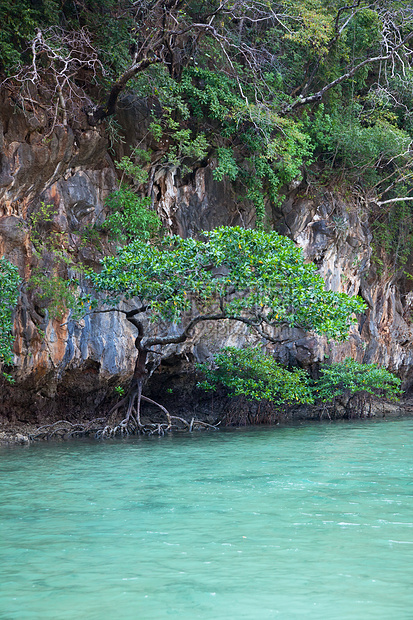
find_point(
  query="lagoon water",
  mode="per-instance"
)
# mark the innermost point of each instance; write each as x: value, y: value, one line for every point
x: 309, y: 522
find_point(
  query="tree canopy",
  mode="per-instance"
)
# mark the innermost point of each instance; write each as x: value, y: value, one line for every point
x: 252, y: 276
x: 239, y: 80
x: 249, y: 276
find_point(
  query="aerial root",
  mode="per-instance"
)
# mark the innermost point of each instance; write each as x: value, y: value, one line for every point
x: 65, y: 429
x: 130, y: 424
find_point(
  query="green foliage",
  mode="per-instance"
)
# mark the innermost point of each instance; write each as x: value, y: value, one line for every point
x: 251, y: 373
x: 90, y: 236
x: 346, y: 138
x: 130, y: 218
x: 227, y: 166
x: 392, y: 237
x: 19, y: 20
x: 40, y: 220
x: 352, y: 377
x: 54, y: 278
x: 53, y: 291
x: 257, y: 376
x: 315, y: 25
x: 363, y: 32
x: 186, y: 147
x: 263, y: 150
x: 135, y: 171
x: 209, y: 94
x: 9, y: 286
x: 243, y: 272
x: 369, y: 147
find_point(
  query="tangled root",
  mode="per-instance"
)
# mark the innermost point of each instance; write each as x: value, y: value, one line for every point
x: 130, y: 424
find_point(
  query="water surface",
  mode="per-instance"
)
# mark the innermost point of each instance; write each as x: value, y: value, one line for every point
x: 312, y: 522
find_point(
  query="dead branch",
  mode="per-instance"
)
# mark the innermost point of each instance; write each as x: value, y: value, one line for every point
x: 58, y: 57
x: 401, y: 199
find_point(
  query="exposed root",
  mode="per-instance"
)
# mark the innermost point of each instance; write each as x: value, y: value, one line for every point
x: 241, y: 412
x: 64, y: 429
x: 165, y: 411
x: 117, y: 406
x: 130, y: 424
x: 206, y: 425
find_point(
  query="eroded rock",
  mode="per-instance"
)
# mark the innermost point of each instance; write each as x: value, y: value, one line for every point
x: 75, y: 366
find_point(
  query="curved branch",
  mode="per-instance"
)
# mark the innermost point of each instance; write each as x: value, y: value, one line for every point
x: 130, y: 313
x: 345, y: 76
x: 186, y: 331
x: 98, y: 114
x: 161, y: 407
x: 257, y: 327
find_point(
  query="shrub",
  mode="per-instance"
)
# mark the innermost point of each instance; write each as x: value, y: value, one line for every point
x: 130, y: 216
x: 9, y: 286
x: 352, y: 377
x: 251, y: 373
x: 256, y: 376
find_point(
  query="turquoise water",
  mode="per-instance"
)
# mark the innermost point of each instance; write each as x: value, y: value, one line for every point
x: 312, y: 521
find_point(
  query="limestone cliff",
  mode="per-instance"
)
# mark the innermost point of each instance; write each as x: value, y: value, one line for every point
x: 61, y: 365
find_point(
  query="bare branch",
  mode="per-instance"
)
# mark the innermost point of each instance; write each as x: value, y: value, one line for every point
x: 401, y: 199
x: 185, y: 333
x: 58, y: 57
x: 300, y: 101
x: 339, y: 29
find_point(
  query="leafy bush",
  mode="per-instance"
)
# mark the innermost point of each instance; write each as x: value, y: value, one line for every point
x: 258, y: 377
x: 9, y: 286
x: 131, y: 217
x: 352, y: 377
x: 251, y: 373
x: 261, y: 148
x: 345, y: 137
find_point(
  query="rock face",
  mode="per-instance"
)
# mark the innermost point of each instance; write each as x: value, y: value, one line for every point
x: 334, y: 233
x: 62, y: 365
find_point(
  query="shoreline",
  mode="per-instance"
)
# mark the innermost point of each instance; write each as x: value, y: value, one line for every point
x: 19, y: 433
